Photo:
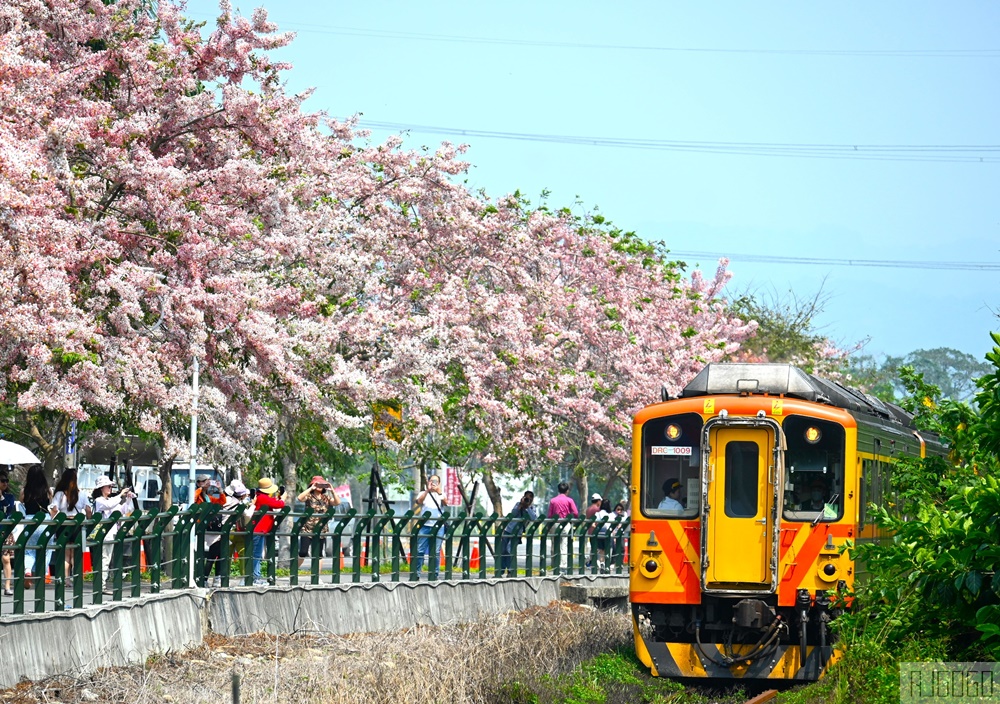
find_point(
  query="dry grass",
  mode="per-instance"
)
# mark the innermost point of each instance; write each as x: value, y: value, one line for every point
x: 460, y: 663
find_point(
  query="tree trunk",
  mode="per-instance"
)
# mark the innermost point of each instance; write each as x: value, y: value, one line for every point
x: 492, y: 490
x: 166, y: 501
x: 166, y: 486
x: 51, y: 446
x: 581, y: 481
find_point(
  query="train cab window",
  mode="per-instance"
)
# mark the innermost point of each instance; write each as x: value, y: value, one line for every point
x: 742, y: 479
x: 814, y: 469
x: 671, y: 466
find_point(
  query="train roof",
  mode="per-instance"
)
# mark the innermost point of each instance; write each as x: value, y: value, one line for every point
x: 788, y: 380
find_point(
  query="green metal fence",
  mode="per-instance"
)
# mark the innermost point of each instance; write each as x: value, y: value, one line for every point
x: 97, y: 560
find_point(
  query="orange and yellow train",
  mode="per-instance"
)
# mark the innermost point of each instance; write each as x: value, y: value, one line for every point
x: 745, y: 491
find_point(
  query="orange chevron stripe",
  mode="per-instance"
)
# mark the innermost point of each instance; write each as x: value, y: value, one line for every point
x: 685, y: 561
x: 679, y: 542
x: 803, y: 551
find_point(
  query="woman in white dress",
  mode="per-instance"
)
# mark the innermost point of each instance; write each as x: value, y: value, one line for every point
x: 70, y: 501
x: 106, y: 504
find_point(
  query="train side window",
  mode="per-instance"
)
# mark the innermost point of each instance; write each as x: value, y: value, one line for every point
x: 671, y: 455
x: 864, y: 493
x: 814, y: 469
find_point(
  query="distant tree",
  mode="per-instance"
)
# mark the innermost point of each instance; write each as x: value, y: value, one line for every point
x: 951, y: 371
x: 786, y: 332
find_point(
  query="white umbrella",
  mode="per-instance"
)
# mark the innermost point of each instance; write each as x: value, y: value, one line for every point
x: 12, y: 453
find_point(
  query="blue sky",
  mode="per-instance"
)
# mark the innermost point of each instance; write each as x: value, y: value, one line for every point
x: 911, y: 74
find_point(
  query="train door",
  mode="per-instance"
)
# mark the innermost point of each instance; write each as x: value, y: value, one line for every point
x: 739, y: 525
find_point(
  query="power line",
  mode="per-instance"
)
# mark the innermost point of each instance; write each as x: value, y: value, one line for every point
x: 960, y: 153
x: 310, y: 28
x: 880, y: 263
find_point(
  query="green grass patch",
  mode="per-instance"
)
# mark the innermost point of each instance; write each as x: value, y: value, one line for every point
x: 610, y: 678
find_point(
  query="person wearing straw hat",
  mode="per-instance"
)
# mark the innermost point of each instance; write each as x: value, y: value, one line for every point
x: 266, y: 500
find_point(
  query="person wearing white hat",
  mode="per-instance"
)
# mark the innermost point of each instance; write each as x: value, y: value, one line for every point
x: 106, y: 505
x: 238, y: 499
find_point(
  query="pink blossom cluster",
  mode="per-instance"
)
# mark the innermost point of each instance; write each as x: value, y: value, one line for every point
x: 164, y: 199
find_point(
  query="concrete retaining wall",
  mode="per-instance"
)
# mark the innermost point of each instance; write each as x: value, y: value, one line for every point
x: 367, y: 608
x: 42, y: 645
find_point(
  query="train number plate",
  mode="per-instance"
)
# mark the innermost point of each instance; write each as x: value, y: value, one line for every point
x: 670, y: 450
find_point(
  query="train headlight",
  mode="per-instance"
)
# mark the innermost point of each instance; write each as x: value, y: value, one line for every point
x: 650, y: 567
x: 828, y: 572
x: 673, y: 432
x: 813, y: 435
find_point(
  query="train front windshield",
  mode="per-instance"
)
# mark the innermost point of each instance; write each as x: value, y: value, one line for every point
x: 671, y: 458
x: 814, y: 469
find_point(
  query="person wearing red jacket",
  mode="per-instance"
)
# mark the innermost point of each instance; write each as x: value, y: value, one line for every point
x: 265, y: 500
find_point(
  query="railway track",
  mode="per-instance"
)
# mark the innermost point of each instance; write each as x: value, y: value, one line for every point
x: 765, y: 696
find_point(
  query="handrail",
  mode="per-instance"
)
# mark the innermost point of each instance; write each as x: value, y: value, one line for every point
x: 152, y: 551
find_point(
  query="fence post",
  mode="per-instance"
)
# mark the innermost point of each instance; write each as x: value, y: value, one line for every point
x: 451, y: 525
x: 337, y: 541
x: 154, y: 559
x: 397, y: 542
x: 374, y: 559
x: 19, y: 554
x: 581, y: 534
x: 547, y: 524
x: 418, y: 523
x: 484, y: 542
x: 271, y: 547
x: 226, y: 548
x: 99, y: 529
x: 362, y: 529
x: 468, y: 526
x: 530, y: 529
x: 298, y: 521
x: 557, y: 541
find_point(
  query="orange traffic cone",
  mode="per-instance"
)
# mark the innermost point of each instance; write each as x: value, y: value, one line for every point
x: 625, y: 557
x: 87, y: 566
x: 474, y: 559
x: 142, y: 558
x: 442, y: 558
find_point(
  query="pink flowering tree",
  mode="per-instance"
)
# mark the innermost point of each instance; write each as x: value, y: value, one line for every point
x: 164, y: 200
x: 154, y: 212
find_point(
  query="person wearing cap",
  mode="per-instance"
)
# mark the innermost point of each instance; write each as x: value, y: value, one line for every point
x: 816, y: 499
x: 266, y: 499
x: 672, y: 496
x: 319, y: 497
x: 106, y: 505
x: 200, y: 482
